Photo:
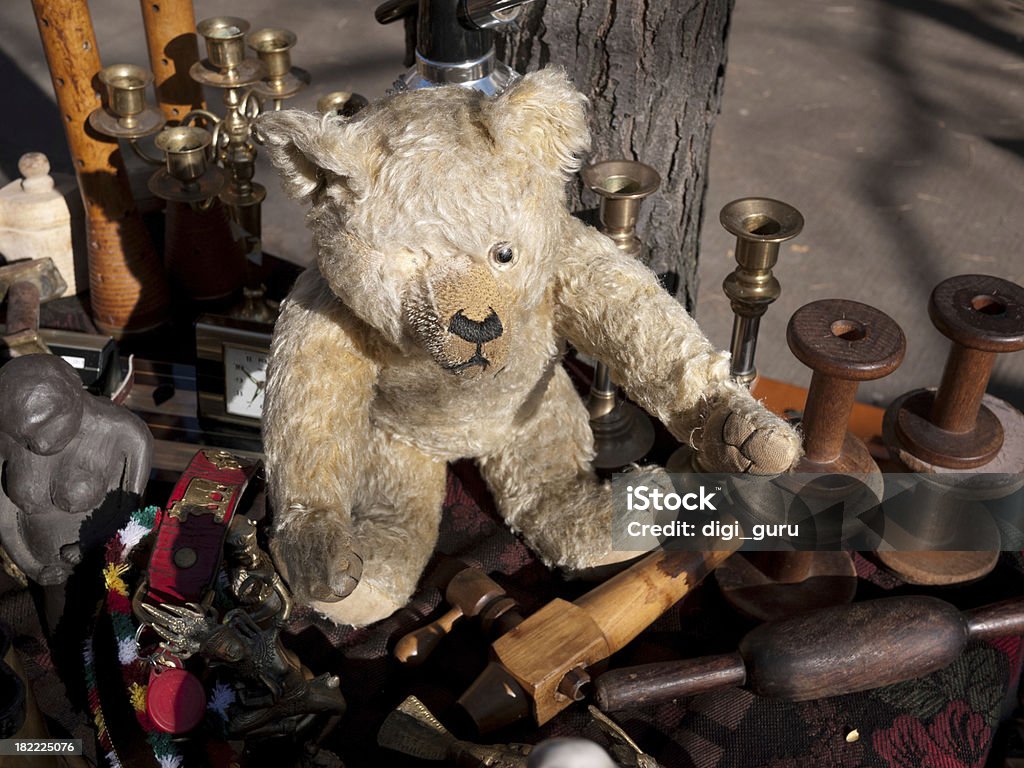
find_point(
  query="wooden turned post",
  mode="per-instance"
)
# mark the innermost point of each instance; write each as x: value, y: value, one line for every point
x: 128, y: 288
x: 959, y: 435
x: 844, y: 343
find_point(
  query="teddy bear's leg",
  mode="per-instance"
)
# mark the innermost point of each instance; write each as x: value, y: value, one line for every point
x: 394, y: 523
x: 545, y: 487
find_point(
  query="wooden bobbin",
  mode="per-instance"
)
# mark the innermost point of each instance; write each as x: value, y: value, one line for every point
x: 957, y: 432
x: 844, y: 343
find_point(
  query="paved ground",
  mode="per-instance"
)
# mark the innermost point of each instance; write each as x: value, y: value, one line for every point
x: 895, y: 126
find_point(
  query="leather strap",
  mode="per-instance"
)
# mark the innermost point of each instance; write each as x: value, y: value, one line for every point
x: 190, y: 532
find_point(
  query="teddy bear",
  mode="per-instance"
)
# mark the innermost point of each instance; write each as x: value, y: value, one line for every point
x: 449, y: 274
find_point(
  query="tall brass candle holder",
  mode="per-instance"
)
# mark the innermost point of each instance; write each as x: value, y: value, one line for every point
x: 206, y: 157
x: 760, y: 225
x: 622, y: 432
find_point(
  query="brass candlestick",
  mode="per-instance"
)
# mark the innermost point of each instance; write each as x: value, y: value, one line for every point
x: 126, y: 114
x: 622, y: 432
x: 760, y: 225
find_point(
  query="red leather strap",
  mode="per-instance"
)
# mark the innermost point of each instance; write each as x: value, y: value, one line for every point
x: 190, y: 531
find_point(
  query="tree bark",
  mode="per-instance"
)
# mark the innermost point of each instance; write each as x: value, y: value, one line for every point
x: 653, y: 70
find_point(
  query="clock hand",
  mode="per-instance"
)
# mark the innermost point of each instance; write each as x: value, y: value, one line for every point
x: 247, y: 374
x: 259, y: 390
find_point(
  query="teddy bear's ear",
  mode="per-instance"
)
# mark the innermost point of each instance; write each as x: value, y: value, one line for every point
x: 545, y: 116
x: 306, y: 148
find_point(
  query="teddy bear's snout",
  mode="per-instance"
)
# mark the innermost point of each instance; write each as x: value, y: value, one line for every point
x: 470, y: 332
x: 476, y: 331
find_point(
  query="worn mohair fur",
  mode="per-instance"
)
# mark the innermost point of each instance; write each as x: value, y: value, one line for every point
x: 448, y: 271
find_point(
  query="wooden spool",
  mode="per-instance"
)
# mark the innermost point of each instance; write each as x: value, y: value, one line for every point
x: 844, y: 343
x: 127, y: 284
x: 957, y: 432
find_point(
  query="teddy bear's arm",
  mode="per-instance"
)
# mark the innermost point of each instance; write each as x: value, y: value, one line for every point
x: 316, y: 429
x: 613, y: 308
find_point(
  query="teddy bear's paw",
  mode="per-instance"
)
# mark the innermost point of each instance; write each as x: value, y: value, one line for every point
x: 747, y: 439
x: 368, y: 603
x: 604, y: 562
x: 317, y: 562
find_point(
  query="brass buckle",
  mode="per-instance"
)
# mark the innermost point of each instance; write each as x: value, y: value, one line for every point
x: 203, y: 497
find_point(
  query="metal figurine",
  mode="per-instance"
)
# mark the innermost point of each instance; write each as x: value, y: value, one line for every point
x: 455, y: 42
x: 277, y: 697
x: 622, y: 432
x: 761, y: 225
x: 65, y: 455
x: 252, y: 578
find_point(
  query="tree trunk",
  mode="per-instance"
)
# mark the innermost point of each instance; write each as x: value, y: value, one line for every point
x: 653, y: 70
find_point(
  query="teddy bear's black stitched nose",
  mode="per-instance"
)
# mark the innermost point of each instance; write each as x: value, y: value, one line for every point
x: 475, y: 331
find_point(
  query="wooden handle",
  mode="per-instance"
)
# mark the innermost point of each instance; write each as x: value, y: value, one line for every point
x: 415, y: 647
x: 655, y: 683
x: 128, y: 288
x: 1005, y: 619
x: 173, y: 49
x: 628, y: 603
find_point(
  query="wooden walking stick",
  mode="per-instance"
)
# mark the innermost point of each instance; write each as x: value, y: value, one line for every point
x: 127, y: 285
x: 173, y: 48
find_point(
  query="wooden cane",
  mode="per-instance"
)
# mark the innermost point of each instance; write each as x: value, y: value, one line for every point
x: 173, y: 48
x: 128, y: 288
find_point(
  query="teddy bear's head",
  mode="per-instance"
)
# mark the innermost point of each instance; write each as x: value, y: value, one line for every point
x: 435, y: 212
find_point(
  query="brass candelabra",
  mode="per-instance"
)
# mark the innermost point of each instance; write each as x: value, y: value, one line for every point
x: 205, y: 157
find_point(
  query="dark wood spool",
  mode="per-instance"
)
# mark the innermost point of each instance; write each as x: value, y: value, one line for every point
x: 951, y: 427
x: 844, y: 343
x: 957, y: 427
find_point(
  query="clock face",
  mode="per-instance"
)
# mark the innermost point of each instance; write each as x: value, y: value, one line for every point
x: 245, y: 380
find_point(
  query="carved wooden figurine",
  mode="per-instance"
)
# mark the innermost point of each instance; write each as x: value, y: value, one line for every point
x: 64, y: 454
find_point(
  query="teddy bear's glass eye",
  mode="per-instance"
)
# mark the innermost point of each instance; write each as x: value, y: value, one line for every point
x: 502, y: 254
